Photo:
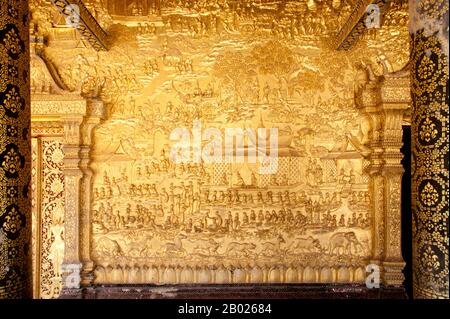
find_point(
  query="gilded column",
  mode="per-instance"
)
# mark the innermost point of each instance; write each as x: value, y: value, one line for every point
x: 395, y: 100
x: 430, y: 146
x: 71, y: 268
x: 95, y: 113
x: 15, y: 158
x: 370, y: 99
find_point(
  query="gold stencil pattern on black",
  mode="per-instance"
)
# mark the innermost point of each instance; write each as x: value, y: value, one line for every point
x: 430, y: 180
x: 14, y: 150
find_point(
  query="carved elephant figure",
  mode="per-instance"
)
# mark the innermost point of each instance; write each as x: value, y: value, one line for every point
x: 341, y: 243
x: 109, y: 247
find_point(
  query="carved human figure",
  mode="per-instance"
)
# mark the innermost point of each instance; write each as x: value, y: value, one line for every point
x: 56, y: 254
x: 239, y: 180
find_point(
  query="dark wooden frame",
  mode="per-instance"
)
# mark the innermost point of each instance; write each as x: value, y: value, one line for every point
x: 249, y: 291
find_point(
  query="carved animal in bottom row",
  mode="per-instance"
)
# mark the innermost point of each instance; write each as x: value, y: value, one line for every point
x: 140, y: 248
x: 240, y: 249
x: 339, y: 243
x: 205, y: 246
x: 272, y: 248
x: 175, y: 247
x: 109, y: 247
x: 302, y: 245
x: 342, y: 242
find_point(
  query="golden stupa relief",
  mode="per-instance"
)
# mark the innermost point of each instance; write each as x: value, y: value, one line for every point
x: 227, y: 64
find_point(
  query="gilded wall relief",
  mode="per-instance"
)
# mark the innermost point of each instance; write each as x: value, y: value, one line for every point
x: 150, y: 212
x: 251, y: 66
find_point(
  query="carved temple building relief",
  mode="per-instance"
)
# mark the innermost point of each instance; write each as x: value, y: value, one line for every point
x: 133, y: 215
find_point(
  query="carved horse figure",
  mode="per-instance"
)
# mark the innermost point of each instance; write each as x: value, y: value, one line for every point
x: 175, y: 247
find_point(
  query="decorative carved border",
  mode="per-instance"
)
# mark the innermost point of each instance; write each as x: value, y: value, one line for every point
x: 354, y: 27
x: 269, y: 274
x: 48, y: 214
x: 52, y: 105
x: 88, y: 26
x: 46, y: 128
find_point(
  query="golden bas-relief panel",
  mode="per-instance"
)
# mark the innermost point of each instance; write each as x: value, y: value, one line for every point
x: 151, y: 212
x: 263, y: 67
